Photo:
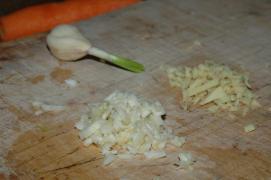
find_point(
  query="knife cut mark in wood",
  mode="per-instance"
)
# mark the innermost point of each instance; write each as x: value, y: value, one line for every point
x: 33, y: 138
x: 72, y: 165
x: 55, y: 151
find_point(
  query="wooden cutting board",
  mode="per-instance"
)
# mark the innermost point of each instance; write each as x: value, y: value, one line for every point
x: 156, y: 33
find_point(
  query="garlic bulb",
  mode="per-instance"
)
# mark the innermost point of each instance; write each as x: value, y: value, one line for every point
x: 67, y: 43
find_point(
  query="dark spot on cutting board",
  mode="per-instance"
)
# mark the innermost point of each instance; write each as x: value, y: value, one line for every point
x: 61, y: 74
x: 7, y: 53
x: 141, y: 27
x: 8, y: 177
x: 36, y: 79
x: 50, y: 154
x: 92, y: 90
x: 248, y: 164
x: 13, y: 177
x: 137, y: 22
x: 2, y: 176
x: 21, y: 114
x: 11, y: 51
x: 195, y: 60
x: 254, y: 13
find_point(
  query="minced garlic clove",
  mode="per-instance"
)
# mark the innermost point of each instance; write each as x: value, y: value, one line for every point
x: 214, y: 84
x: 127, y: 124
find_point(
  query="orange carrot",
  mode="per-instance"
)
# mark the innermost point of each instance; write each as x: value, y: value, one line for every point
x: 41, y: 18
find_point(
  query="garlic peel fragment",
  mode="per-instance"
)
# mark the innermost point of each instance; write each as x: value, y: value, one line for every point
x: 41, y: 107
x: 249, y: 128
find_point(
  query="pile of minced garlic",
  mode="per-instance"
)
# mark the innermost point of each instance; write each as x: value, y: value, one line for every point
x: 215, y: 86
x: 124, y: 125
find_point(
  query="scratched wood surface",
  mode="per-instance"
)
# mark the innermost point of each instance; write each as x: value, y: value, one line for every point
x: 156, y: 33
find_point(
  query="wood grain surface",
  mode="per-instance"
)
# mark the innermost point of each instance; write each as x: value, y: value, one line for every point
x: 156, y: 33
